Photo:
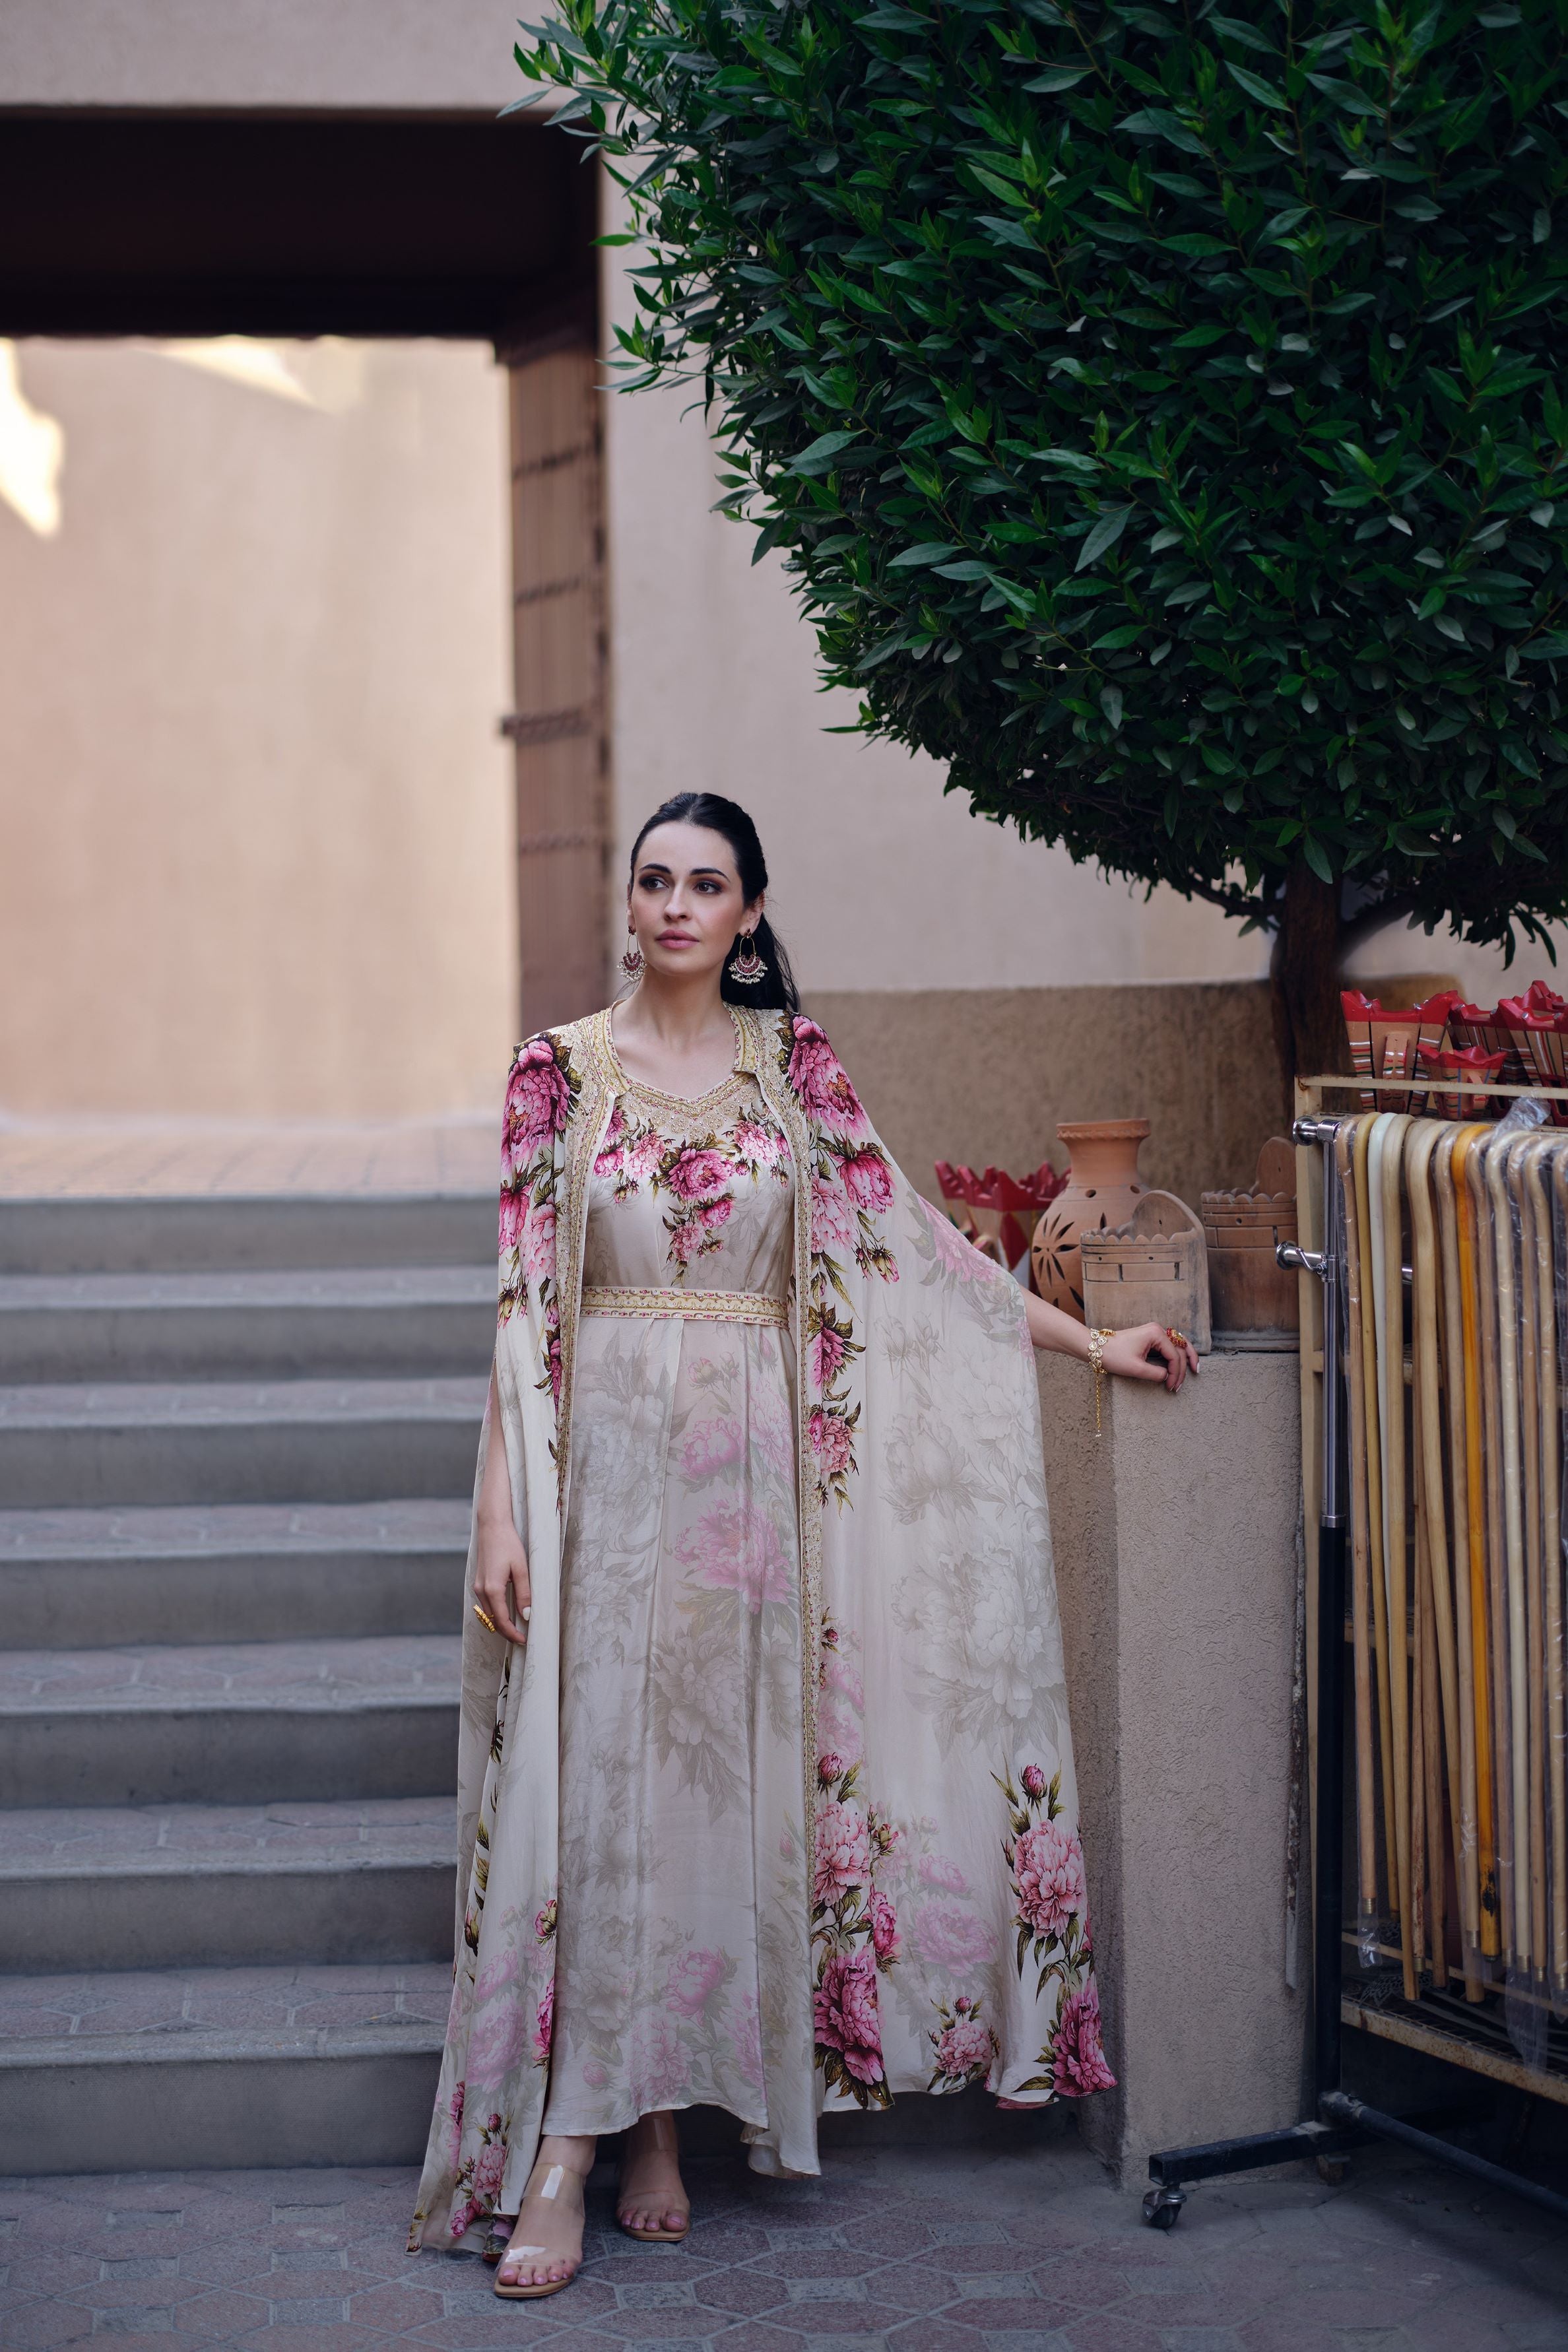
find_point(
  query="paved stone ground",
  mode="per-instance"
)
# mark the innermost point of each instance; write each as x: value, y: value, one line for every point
x: 895, y: 2249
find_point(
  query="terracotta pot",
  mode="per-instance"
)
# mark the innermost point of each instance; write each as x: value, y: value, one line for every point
x: 1102, y: 1190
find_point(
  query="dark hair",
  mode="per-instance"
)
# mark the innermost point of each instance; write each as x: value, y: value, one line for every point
x: 776, y: 992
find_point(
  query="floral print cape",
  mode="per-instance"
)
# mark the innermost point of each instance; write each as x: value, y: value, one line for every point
x: 949, y: 1924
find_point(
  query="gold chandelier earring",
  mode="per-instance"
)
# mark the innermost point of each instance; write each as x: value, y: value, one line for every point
x: 746, y: 965
x: 631, y: 959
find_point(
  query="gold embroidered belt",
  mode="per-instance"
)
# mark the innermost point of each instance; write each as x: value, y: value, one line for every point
x: 692, y: 1306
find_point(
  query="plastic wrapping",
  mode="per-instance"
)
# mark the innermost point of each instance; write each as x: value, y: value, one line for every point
x: 1456, y: 1360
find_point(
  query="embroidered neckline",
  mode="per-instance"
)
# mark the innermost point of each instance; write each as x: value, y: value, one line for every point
x: 684, y: 1106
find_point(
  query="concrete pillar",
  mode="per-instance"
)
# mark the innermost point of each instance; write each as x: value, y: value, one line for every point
x: 1175, y: 1536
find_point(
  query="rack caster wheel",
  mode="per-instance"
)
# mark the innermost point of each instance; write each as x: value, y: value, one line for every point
x: 1163, y: 2206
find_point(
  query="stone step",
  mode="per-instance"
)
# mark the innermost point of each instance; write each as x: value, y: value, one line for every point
x: 236, y: 1442
x: 236, y: 1572
x: 365, y: 1322
x: 182, y: 1885
x: 152, y: 2070
x: 236, y: 1232
x: 241, y: 1723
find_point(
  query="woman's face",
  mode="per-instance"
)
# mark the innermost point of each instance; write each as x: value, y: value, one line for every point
x: 686, y: 902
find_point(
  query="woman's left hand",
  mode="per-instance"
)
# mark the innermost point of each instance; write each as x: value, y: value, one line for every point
x: 1150, y: 1352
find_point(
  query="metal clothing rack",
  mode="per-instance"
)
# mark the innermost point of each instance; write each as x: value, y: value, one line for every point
x: 1340, y: 2123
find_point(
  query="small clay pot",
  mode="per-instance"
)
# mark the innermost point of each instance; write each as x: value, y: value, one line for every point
x: 1102, y: 1190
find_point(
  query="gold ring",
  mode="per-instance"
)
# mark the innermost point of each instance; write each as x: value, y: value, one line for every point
x: 487, y: 1622
x: 1179, y: 1339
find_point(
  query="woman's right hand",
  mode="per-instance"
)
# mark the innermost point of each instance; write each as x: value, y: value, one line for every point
x: 502, y: 1586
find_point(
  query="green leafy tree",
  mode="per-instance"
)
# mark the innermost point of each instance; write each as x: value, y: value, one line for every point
x: 1157, y: 410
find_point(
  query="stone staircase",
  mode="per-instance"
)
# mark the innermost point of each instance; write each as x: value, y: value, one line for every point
x: 236, y: 1448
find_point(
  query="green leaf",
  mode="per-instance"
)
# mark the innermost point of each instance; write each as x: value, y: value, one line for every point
x: 1112, y: 522
x: 824, y: 447
x: 1255, y: 87
x: 1317, y: 858
x: 930, y: 551
x: 1110, y: 703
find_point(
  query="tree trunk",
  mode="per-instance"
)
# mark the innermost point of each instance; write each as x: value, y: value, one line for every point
x: 1304, y: 975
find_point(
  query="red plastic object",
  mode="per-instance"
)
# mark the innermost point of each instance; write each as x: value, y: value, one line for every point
x: 1002, y: 1209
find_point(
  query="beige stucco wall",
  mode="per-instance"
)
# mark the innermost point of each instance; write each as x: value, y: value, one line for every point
x: 407, y: 54
x: 255, y: 815
x: 985, y: 1075
x: 1174, y: 1535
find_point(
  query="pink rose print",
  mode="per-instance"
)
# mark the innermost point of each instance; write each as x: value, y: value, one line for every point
x: 964, y: 2050
x: 1033, y: 1783
x: 949, y: 1934
x: 544, y: 1921
x: 826, y: 1352
x: 552, y: 1350
x: 539, y: 1244
x: 513, y: 1216
x: 691, y: 1981
x: 660, y: 2066
x: 737, y: 1550
x: 537, y: 1101
x: 455, y: 2125
x: 1047, y: 1865
x: 843, y: 1851
x: 845, y: 2009
x: 829, y: 1768
x: 609, y: 1159
x: 595, y: 2074
x: 937, y: 1870
x: 639, y: 1158
x: 496, y: 2041
x: 884, y: 1929
x: 955, y: 1255
x: 696, y: 1173
x: 489, y: 2170
x: 760, y: 1145
x: 1077, y: 2061
x: 544, y: 2026
x: 867, y: 1178
x: 832, y: 1224
x: 711, y: 1446
x: 820, y: 1080
x: 831, y: 1441
x: 713, y: 1214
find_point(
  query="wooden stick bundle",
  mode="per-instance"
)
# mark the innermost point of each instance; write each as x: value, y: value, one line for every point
x: 1389, y: 1298
x: 1373, y: 1465
x: 1458, y: 1608
x: 1556, y: 1663
x: 1509, y: 1632
x: 1361, y: 1552
x: 1439, y: 1671
x: 1489, y: 1664
x: 1467, y: 1852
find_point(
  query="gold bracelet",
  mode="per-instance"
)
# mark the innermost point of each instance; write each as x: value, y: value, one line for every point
x: 1097, y: 1341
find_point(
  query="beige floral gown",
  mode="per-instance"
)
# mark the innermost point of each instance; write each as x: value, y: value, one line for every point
x: 681, y: 1675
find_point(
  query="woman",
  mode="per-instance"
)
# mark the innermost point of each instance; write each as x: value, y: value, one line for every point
x: 766, y: 1788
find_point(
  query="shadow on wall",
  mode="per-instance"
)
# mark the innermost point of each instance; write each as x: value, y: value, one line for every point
x: 986, y: 1074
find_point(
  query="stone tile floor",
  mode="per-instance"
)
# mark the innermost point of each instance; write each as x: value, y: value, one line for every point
x: 896, y: 2249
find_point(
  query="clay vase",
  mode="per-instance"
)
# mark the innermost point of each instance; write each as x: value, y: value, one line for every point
x: 1102, y: 1190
